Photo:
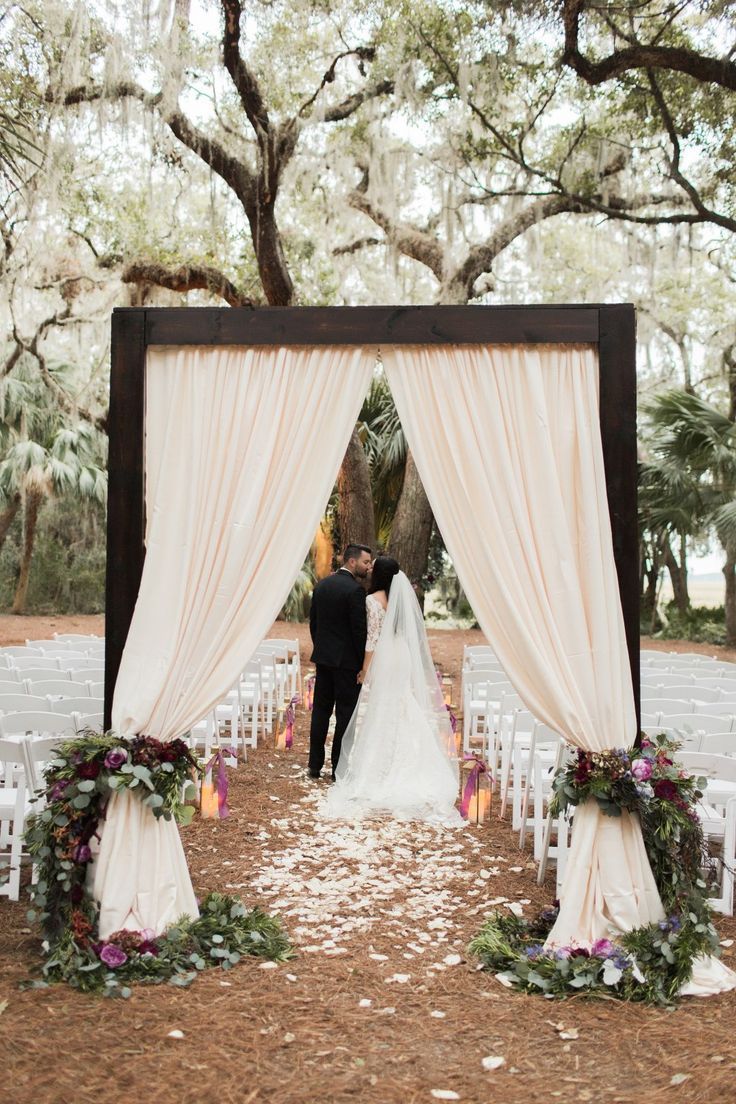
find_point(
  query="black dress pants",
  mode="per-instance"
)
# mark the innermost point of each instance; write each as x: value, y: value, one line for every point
x: 334, y: 688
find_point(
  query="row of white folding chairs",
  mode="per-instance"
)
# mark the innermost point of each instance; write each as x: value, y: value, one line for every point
x: 713, y: 741
x: 23, y: 756
x: 693, y: 682
x: 19, y: 665
x: 56, y: 687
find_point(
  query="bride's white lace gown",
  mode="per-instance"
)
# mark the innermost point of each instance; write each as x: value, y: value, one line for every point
x: 398, y: 754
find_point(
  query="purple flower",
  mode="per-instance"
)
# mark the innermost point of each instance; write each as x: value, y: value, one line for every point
x: 112, y: 956
x: 57, y: 790
x: 534, y: 951
x: 82, y: 853
x: 602, y: 948
x: 641, y: 769
x: 115, y: 758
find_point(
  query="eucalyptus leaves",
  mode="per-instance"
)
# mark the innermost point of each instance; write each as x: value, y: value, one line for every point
x: 80, y: 780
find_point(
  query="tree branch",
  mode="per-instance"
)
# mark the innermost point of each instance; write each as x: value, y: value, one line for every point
x: 187, y: 278
x: 707, y: 70
x: 676, y: 172
x: 409, y: 240
x: 241, y: 76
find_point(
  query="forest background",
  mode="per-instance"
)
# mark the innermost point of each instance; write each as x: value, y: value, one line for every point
x: 327, y: 152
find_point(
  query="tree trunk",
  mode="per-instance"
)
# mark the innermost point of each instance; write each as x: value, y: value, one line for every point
x: 7, y: 517
x: 30, y: 518
x: 649, y: 577
x: 678, y: 574
x: 411, y: 531
x: 729, y: 572
x: 272, y: 267
x: 355, y: 509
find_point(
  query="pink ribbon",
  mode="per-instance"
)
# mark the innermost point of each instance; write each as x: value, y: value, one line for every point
x: 477, y: 770
x: 453, y: 720
x: 290, y: 717
x: 222, y: 784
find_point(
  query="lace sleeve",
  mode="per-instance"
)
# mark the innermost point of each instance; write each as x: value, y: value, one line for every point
x: 375, y: 614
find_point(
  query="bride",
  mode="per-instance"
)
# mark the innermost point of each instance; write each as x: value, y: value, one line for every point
x: 398, y: 753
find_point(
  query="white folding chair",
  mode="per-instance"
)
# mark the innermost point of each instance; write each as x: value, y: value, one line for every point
x: 694, y: 693
x: 58, y: 688
x: 666, y: 706
x: 549, y: 825
x: 717, y: 813
x: 293, y: 662
x: 38, y: 668
x: 695, y: 722
x: 80, y: 663
x: 19, y: 703
x: 653, y: 679
x: 36, y: 722
x: 718, y: 743
x: 13, y: 808
x: 96, y: 689
x: 515, y: 730
x: 543, y: 754
x: 84, y: 721
x: 650, y: 720
x: 68, y: 706
x: 19, y: 651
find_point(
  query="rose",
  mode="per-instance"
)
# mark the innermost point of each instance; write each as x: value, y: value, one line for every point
x: 82, y: 853
x: 115, y: 758
x: 112, y: 956
x: 148, y: 946
x: 77, y: 894
x: 665, y: 790
x: 88, y: 770
x: 641, y: 769
x: 602, y: 948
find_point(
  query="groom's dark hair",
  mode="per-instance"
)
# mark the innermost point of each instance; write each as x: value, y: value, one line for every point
x: 352, y: 551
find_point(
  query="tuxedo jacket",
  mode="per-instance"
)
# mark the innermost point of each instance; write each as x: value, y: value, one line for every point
x: 337, y: 622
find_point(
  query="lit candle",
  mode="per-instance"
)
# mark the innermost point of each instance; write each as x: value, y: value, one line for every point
x: 209, y: 805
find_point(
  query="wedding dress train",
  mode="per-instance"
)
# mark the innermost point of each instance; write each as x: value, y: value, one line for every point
x: 398, y: 753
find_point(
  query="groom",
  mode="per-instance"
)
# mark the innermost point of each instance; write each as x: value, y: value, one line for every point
x: 337, y: 622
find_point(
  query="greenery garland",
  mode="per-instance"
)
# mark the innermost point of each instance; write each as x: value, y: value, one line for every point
x: 80, y: 780
x: 651, y: 963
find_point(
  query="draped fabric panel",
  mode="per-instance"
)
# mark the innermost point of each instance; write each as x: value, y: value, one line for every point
x: 242, y: 450
x: 507, y: 443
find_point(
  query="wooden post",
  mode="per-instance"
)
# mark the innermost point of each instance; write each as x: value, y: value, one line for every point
x: 617, y: 366
x: 126, y: 500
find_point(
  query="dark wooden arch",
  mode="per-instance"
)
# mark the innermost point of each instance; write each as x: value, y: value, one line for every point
x: 611, y: 327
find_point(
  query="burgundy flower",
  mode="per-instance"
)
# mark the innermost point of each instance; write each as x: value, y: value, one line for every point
x: 82, y: 853
x: 77, y: 894
x: 148, y: 946
x: 88, y: 770
x: 112, y: 956
x: 115, y: 758
x: 665, y: 789
x: 579, y: 952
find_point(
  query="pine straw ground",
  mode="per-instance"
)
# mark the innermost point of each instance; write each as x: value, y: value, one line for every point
x: 380, y: 1002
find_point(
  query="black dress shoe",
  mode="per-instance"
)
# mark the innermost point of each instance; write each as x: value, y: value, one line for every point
x: 313, y: 774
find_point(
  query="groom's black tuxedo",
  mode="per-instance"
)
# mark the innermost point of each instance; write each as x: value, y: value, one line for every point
x: 337, y: 622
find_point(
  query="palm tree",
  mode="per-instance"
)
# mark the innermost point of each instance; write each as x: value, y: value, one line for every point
x: 691, y: 484
x: 43, y: 458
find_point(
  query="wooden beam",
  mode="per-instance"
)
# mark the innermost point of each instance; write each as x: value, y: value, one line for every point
x: 617, y: 366
x: 126, y: 482
x: 370, y: 325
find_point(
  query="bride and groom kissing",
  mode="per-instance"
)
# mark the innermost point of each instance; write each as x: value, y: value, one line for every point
x: 393, y: 751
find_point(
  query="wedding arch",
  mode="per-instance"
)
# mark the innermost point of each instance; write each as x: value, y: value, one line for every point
x: 227, y: 430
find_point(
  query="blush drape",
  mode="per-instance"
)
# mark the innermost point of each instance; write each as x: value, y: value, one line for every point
x: 506, y: 440
x: 242, y: 450
x: 507, y: 443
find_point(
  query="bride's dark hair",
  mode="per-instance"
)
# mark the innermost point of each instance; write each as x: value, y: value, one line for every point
x: 384, y: 569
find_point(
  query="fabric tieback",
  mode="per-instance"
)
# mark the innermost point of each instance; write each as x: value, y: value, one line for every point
x: 479, y: 767
x: 221, y: 785
x: 289, y: 718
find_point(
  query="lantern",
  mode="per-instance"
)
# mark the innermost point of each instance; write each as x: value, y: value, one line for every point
x: 475, y: 788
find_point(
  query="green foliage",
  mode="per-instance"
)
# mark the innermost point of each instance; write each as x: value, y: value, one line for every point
x: 653, y: 962
x: 68, y: 561
x: 701, y: 624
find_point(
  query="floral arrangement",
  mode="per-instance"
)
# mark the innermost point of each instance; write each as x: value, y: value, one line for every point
x: 80, y: 780
x: 651, y: 963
